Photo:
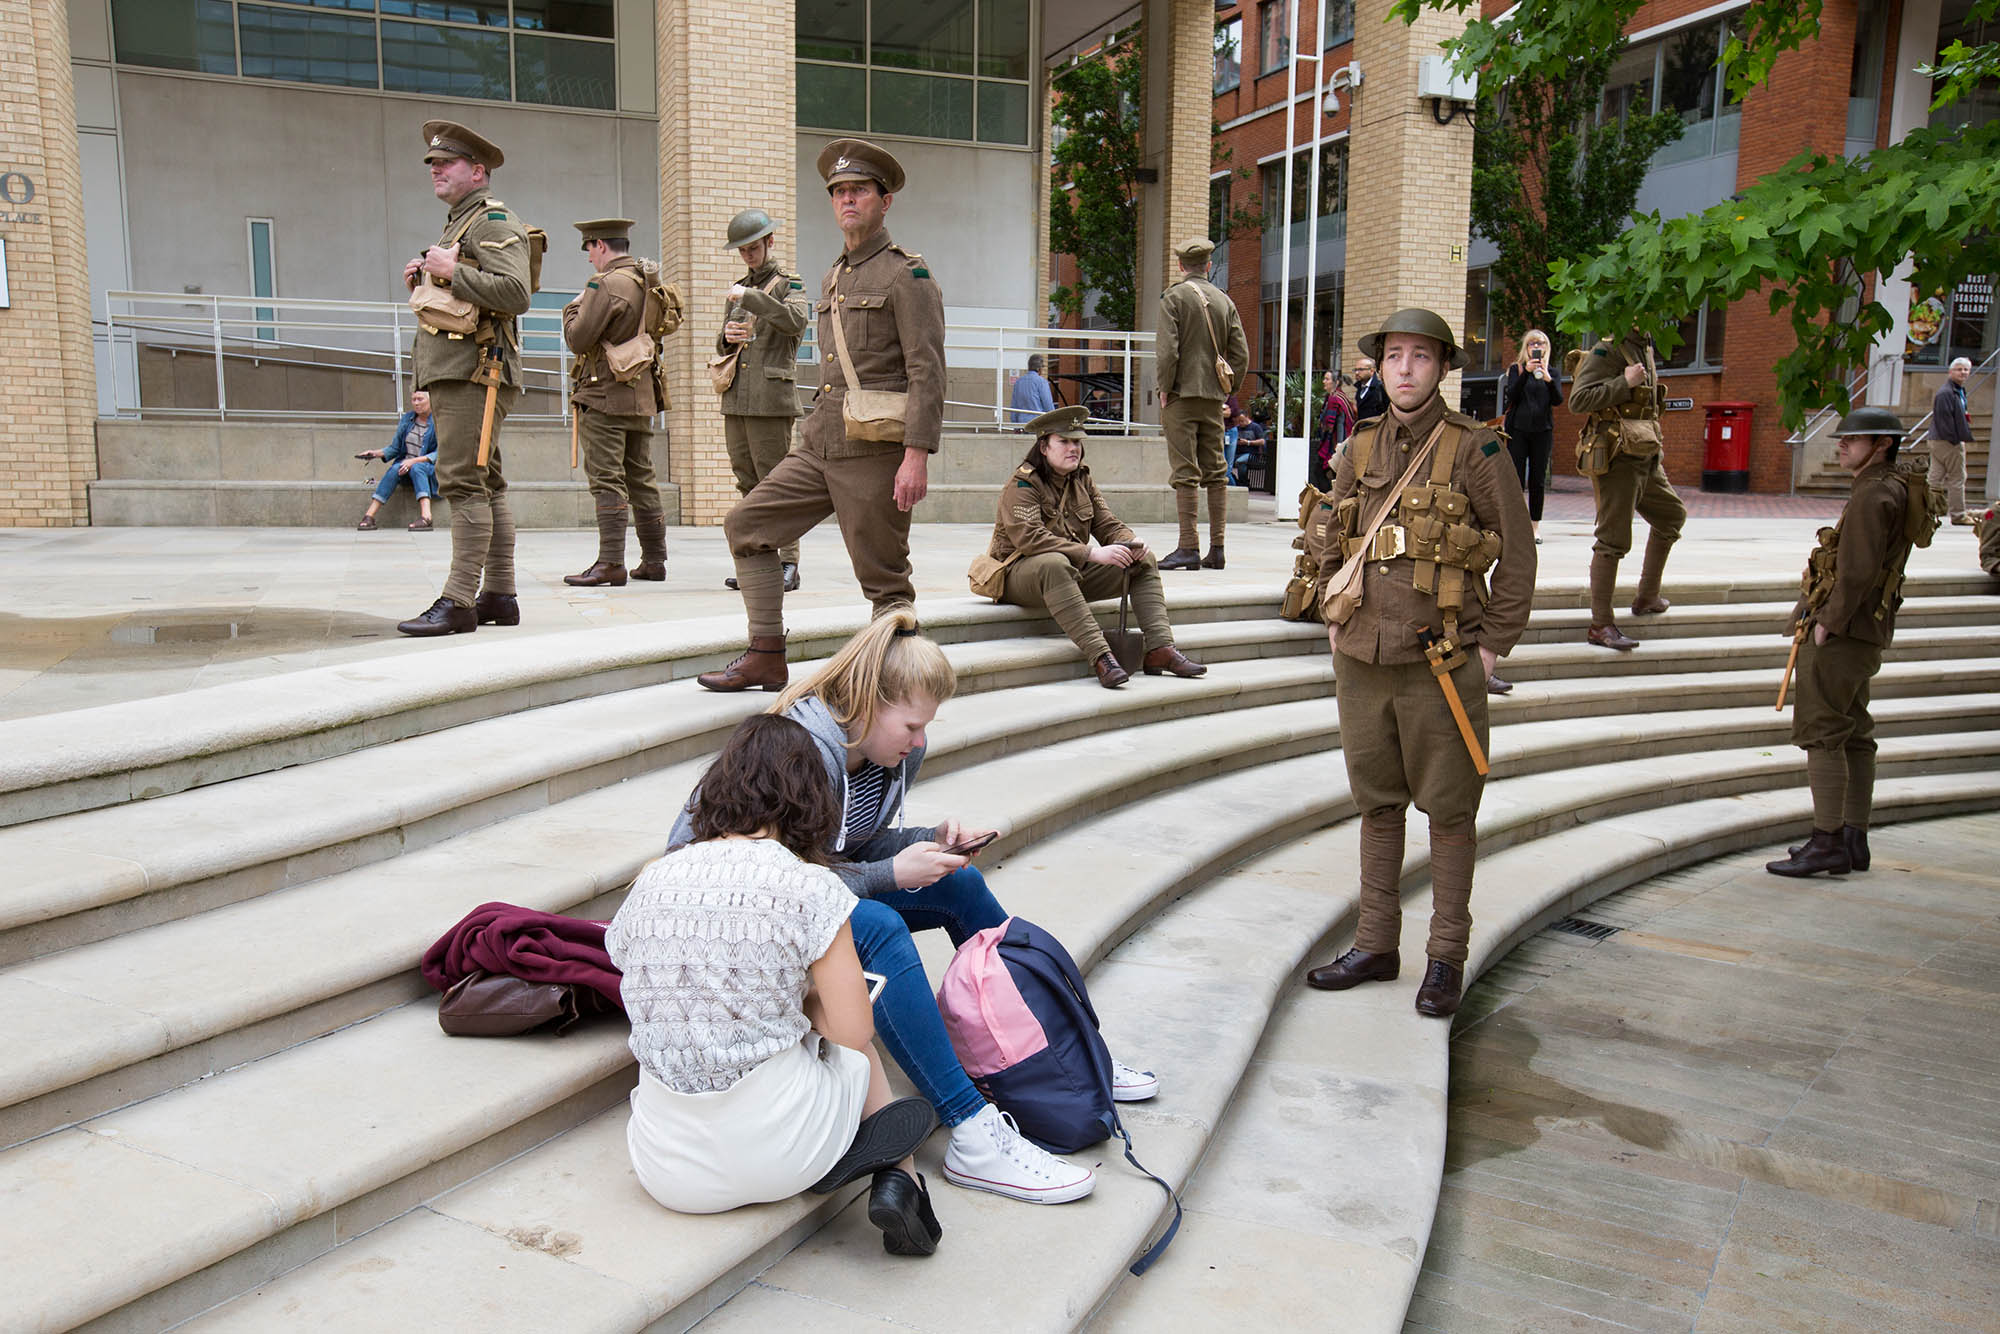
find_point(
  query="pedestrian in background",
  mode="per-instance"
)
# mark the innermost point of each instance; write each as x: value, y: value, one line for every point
x: 1529, y: 397
x: 1951, y: 436
x: 1032, y: 396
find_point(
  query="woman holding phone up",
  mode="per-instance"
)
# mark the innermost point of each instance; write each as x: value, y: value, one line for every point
x: 1529, y: 398
x: 1056, y: 545
x: 867, y: 710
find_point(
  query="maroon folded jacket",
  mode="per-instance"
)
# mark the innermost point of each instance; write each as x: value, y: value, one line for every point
x: 523, y: 943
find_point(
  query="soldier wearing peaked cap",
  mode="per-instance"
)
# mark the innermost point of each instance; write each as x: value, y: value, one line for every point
x: 1425, y: 504
x: 864, y: 451
x: 763, y: 318
x: 476, y: 284
x: 614, y: 408
x: 1057, y: 546
x: 1845, y: 617
x: 1200, y: 356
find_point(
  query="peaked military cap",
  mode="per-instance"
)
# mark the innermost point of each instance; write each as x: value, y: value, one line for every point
x: 1416, y: 320
x: 749, y: 227
x: 1870, y: 421
x: 859, y: 160
x: 605, y: 229
x: 1059, y: 421
x: 1194, y: 251
x: 449, y: 139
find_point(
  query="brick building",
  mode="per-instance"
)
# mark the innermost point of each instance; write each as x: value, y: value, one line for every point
x: 1848, y: 91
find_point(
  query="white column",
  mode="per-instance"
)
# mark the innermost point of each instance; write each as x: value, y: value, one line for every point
x: 1909, y: 108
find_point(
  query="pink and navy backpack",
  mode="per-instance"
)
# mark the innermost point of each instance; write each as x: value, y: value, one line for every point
x: 1022, y: 1024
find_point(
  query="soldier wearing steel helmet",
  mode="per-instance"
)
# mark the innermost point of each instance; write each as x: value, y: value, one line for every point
x: 1847, y: 611
x: 1427, y: 502
x: 881, y: 329
x: 763, y: 318
x: 1056, y: 546
x: 614, y: 414
x: 482, y: 258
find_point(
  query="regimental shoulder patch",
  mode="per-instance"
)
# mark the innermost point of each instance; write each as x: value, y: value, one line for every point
x: 1490, y: 448
x: 920, y: 272
x: 1024, y: 482
x: 496, y: 215
x: 1600, y: 351
x: 798, y: 286
x: 592, y: 284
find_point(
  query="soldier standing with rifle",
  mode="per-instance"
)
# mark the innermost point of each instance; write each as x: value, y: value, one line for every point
x: 755, y: 366
x: 477, y: 277
x: 1425, y: 501
x: 1618, y: 385
x: 1845, y: 617
x: 614, y: 413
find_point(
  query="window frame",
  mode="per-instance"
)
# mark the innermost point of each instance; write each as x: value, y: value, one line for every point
x: 1281, y: 36
x: 264, y: 333
x: 870, y: 69
x: 1236, y: 66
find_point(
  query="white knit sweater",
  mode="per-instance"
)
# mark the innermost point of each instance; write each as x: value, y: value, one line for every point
x: 715, y: 942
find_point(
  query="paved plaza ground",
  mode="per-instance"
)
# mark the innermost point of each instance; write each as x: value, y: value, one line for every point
x: 95, y: 615
x: 1761, y: 1104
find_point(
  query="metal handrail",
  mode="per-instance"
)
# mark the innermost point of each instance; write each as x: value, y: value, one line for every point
x: 1818, y: 421
x: 232, y: 327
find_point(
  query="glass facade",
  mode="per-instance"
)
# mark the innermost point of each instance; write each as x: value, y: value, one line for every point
x: 1332, y: 186
x: 554, y: 52
x: 958, y: 70
x: 1678, y: 72
x: 1228, y: 55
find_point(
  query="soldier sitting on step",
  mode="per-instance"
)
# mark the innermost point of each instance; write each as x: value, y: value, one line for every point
x: 1056, y: 546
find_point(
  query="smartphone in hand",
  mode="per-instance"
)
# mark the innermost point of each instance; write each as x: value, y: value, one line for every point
x: 971, y: 845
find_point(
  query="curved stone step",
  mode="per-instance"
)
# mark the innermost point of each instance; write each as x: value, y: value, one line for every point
x: 1373, y: 1087
x: 1187, y: 993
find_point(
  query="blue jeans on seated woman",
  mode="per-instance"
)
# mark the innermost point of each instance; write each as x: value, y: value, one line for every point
x: 422, y: 476
x: 906, y: 1013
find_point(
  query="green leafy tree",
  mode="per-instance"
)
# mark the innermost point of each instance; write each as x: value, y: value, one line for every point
x: 1094, y: 179
x: 1800, y: 234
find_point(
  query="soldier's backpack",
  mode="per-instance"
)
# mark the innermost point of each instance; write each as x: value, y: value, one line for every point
x: 1302, y: 590
x: 1572, y: 360
x: 1923, y: 509
x: 660, y: 314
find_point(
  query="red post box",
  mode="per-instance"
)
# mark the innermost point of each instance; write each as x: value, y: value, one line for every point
x: 1725, y: 459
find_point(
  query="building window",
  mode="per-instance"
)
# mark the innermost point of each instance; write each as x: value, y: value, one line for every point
x: 1959, y: 324
x: 554, y: 52
x: 1228, y: 55
x: 1274, y: 35
x: 1218, y: 229
x: 1701, y: 342
x: 1336, y: 22
x: 959, y: 70
x: 1332, y: 185
x: 1482, y: 352
x: 263, y: 274
x: 1678, y: 72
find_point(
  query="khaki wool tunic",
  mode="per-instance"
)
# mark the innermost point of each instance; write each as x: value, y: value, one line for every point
x: 766, y: 366
x: 894, y: 316
x: 609, y: 310
x: 1060, y: 514
x: 493, y: 275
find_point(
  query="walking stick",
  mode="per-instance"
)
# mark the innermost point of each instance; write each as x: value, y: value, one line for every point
x: 572, y: 437
x: 1790, y: 662
x: 488, y: 375
x: 1445, y: 657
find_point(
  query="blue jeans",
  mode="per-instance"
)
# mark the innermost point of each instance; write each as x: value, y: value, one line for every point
x: 1229, y: 453
x: 422, y: 475
x: 906, y: 1013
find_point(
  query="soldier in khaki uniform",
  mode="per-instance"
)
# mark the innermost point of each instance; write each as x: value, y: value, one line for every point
x: 762, y: 320
x: 1852, y: 588
x: 1057, y: 546
x: 614, y: 416
x: 482, y: 258
x: 1617, y: 384
x: 1424, y: 604
x: 1198, y: 323
x: 882, y: 300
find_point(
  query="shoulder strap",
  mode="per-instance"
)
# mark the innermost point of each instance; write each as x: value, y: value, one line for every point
x: 1367, y: 535
x: 1208, y: 318
x: 1446, y: 459
x: 847, y: 372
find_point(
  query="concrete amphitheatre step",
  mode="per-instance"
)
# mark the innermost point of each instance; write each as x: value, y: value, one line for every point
x: 288, y: 1156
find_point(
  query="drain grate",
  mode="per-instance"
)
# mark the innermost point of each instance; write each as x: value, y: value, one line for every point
x: 1577, y: 926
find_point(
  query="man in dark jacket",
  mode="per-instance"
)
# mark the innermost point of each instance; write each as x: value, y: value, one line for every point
x: 1951, y: 436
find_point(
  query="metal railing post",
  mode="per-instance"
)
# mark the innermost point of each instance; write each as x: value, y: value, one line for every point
x: 215, y: 335
x: 1126, y: 407
x: 396, y: 355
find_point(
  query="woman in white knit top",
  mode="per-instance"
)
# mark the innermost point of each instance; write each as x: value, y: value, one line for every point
x: 750, y: 1016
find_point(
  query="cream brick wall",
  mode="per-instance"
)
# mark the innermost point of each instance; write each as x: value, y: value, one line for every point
x: 47, y: 440
x: 1190, y: 147
x: 728, y: 107
x: 1409, y: 180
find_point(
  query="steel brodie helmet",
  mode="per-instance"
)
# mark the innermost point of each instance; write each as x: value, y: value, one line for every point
x: 749, y: 226
x: 1416, y: 320
x: 1871, y: 421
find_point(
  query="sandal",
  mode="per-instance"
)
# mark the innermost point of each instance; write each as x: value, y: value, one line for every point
x: 367, y: 524
x: 422, y: 526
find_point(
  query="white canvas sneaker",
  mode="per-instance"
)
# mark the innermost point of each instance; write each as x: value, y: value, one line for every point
x: 1129, y: 1085
x: 989, y: 1153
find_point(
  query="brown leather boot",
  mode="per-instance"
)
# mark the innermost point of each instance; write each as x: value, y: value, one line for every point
x: 1603, y: 631
x: 761, y: 666
x: 1353, y: 968
x: 1648, y: 601
x: 598, y: 575
x: 1109, y: 674
x: 1825, y: 851
x: 1167, y: 658
x: 1214, y: 559
x: 652, y: 526
x: 609, y: 567
x: 1182, y: 558
x: 1438, y: 996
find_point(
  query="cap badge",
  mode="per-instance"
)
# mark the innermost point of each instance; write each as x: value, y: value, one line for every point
x: 437, y: 141
x: 840, y: 164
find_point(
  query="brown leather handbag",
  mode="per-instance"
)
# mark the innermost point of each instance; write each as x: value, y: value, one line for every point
x: 495, y: 1005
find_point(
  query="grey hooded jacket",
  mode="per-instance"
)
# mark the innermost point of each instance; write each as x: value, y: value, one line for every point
x: 868, y: 866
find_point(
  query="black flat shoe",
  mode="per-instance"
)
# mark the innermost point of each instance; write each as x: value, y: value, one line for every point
x: 902, y: 1209
x: 880, y: 1141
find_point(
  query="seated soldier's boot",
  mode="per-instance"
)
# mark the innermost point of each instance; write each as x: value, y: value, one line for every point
x: 1438, y: 996
x: 1109, y: 674
x: 497, y: 609
x: 444, y: 617
x: 1857, y: 846
x: 599, y: 575
x: 1213, y: 560
x: 1182, y: 558
x: 1167, y: 658
x: 1353, y: 968
x: 1824, y: 851
x: 761, y: 667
